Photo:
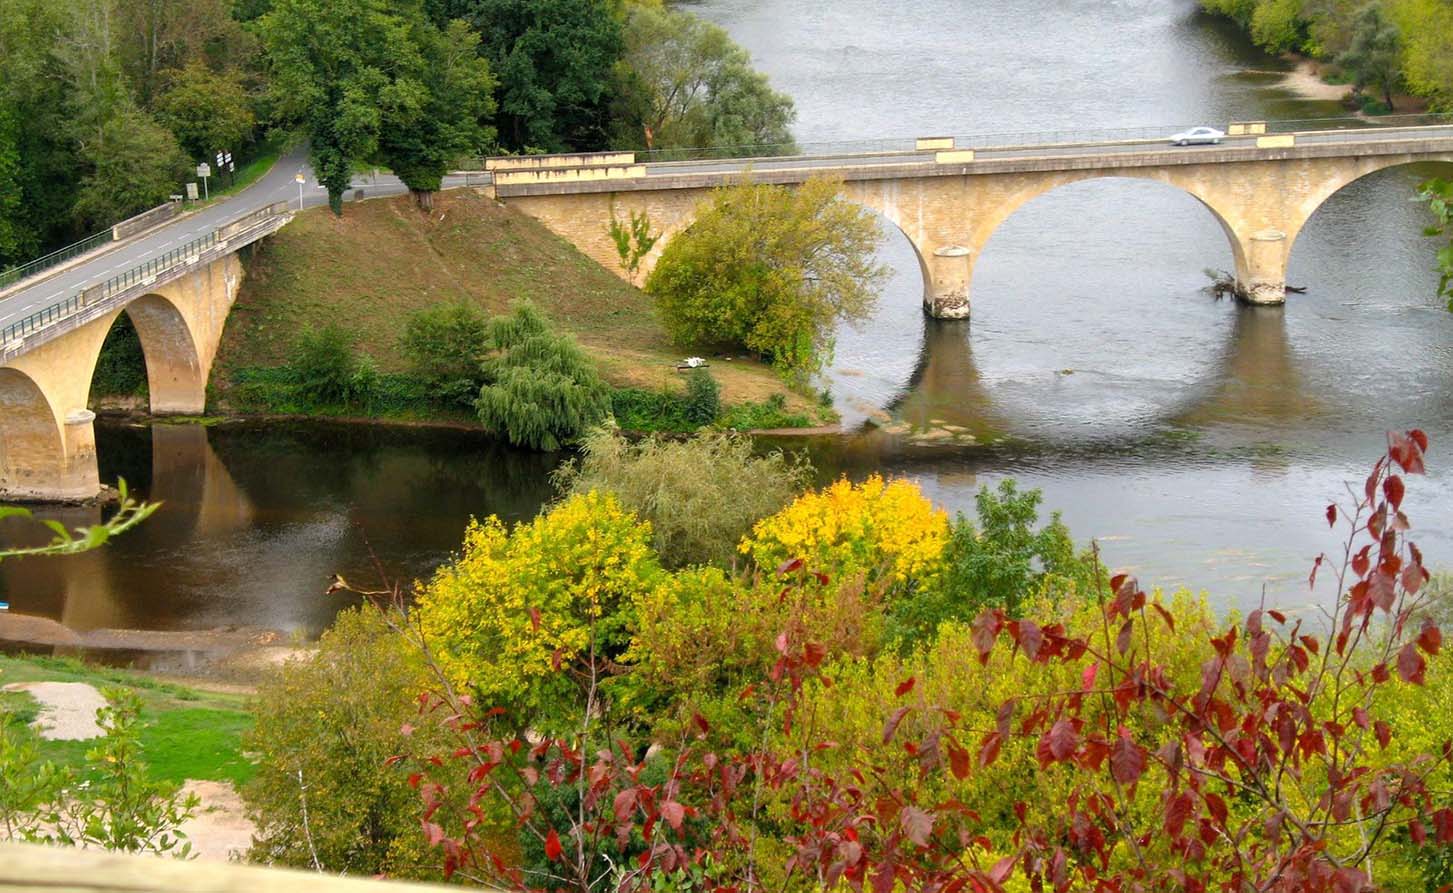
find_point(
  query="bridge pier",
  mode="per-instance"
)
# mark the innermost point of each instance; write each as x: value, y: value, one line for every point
x: 946, y: 293
x: 1264, y: 280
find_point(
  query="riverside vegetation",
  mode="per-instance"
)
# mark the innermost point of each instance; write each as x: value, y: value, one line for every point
x: 857, y: 689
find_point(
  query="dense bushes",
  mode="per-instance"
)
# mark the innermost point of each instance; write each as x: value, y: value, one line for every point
x: 323, y: 797
x: 445, y: 345
x: 700, y: 495
x: 327, y: 369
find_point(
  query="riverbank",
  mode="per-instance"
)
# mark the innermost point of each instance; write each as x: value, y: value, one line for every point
x: 385, y: 260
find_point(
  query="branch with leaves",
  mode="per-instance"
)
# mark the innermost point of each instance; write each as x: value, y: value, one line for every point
x: 129, y: 513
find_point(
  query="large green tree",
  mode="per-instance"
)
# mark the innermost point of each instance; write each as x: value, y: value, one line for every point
x: 687, y: 84
x: 446, y: 118
x: 339, y: 68
x: 555, y: 62
x: 206, y: 110
x: 1375, y: 56
x: 772, y: 269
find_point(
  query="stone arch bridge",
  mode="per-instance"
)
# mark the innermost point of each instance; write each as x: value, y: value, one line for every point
x: 1262, y: 188
x: 177, y: 299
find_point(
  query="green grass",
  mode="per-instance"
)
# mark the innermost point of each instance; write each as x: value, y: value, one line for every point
x: 384, y: 260
x: 186, y: 733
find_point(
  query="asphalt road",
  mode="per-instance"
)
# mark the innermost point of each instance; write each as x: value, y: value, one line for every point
x: 279, y: 185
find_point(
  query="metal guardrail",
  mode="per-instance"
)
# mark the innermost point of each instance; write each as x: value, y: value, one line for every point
x: 59, y: 256
x: 240, y: 230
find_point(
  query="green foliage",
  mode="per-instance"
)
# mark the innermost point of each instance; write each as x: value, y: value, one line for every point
x: 1375, y: 56
x: 638, y: 409
x: 521, y: 613
x: 326, y: 368
x: 1005, y: 560
x: 339, y: 70
x: 208, y: 111
x: 554, y: 61
x: 772, y: 270
x: 1439, y: 196
x: 686, y: 84
x: 445, y: 344
x: 540, y: 390
x: 1278, y: 25
x: 703, y: 398
x: 701, y: 495
x: 445, y: 116
x: 119, y: 808
x: 121, y: 365
x: 770, y: 413
x: 633, y: 241
x: 131, y: 163
x: 323, y: 796
x: 65, y: 541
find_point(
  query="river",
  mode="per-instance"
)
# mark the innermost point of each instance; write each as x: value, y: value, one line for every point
x: 1197, y: 440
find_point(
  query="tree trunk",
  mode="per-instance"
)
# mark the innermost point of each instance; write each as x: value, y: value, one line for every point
x: 424, y: 198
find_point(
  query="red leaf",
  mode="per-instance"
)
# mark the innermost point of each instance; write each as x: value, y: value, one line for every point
x: 1062, y: 739
x: 1417, y: 832
x: 1122, y: 639
x: 989, y: 751
x: 673, y: 813
x: 1411, y: 664
x: 813, y: 653
x: 1417, y: 436
x: 1216, y: 807
x: 891, y: 725
x: 1383, y: 731
x: 788, y: 567
x: 1087, y: 678
x: 1393, y: 489
x: 986, y: 630
x: 1001, y: 869
x: 1443, y: 825
x: 1177, y: 812
x: 958, y: 761
x: 553, y: 850
x: 916, y: 824
x: 904, y: 687
x: 1127, y: 759
x: 1331, y: 515
x: 406, y: 730
x: 1430, y: 639
x: 535, y: 619
x: 625, y: 804
x: 1030, y: 637
x: 1164, y: 615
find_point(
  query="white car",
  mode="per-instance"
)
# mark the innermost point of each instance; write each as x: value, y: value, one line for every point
x: 1206, y: 136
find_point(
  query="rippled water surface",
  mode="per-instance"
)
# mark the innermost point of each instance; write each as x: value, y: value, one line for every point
x: 1196, y: 439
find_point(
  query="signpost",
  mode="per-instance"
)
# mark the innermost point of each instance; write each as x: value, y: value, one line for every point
x: 300, y: 180
x: 192, y: 191
x: 204, y: 170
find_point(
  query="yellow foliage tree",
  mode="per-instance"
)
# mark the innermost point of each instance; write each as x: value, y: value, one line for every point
x: 518, y: 610
x: 874, y: 528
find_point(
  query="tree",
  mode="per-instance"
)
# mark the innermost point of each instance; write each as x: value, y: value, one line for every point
x: 207, y: 111
x: 133, y: 164
x: 445, y: 345
x: 701, y: 495
x: 633, y: 241
x: 1375, y: 56
x: 447, y: 117
x: 771, y: 269
x: 554, y: 60
x: 158, y: 36
x: 687, y: 84
x: 323, y: 797
x: 540, y: 390
x: 339, y: 69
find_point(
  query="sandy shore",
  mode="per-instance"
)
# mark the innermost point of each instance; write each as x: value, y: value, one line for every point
x: 1305, y: 81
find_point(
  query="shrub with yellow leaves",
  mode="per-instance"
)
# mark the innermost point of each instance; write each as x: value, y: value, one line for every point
x: 519, y: 610
x: 884, y: 530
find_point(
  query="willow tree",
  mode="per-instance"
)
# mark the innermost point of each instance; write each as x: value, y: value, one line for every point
x: 773, y: 270
x: 540, y: 389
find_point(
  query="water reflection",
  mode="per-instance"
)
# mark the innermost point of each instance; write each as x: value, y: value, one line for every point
x: 256, y: 519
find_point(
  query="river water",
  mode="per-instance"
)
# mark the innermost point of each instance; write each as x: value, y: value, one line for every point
x: 1197, y: 440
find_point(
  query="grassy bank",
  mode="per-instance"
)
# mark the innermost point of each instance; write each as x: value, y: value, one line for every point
x: 186, y: 733
x: 385, y: 260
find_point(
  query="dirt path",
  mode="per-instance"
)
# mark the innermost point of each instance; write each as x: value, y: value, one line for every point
x: 67, y: 709
x: 220, y: 830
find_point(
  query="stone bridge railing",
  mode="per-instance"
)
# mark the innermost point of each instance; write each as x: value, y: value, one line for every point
x: 98, y: 300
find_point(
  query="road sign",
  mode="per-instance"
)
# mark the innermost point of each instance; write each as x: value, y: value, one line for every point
x: 192, y: 191
x: 228, y: 158
x: 204, y: 170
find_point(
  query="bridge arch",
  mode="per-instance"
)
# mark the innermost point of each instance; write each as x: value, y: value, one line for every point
x: 1330, y: 186
x: 37, y: 458
x: 175, y: 379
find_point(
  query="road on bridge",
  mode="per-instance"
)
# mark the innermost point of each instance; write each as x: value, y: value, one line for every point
x: 277, y: 185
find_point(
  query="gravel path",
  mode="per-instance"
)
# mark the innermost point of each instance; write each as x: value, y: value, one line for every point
x: 67, y: 709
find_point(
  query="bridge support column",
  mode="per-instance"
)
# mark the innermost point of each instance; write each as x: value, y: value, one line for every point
x: 80, y: 477
x: 1264, y: 281
x: 947, y: 295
